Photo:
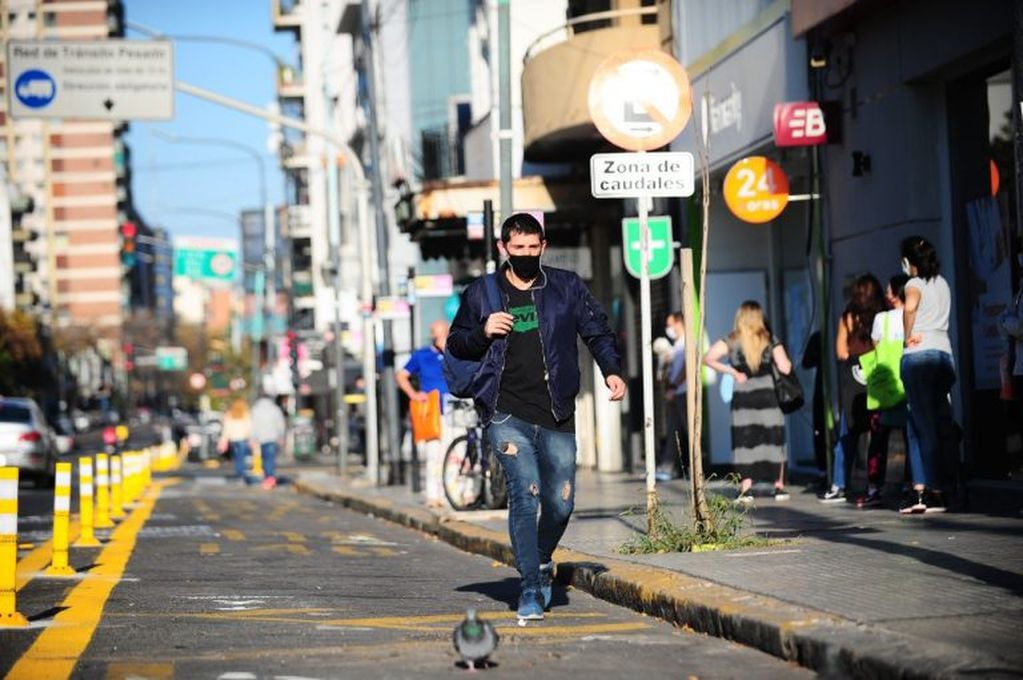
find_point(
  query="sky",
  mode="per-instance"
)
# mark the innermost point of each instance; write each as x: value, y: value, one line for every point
x: 198, y: 190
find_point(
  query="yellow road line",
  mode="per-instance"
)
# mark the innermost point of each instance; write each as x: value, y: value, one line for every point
x: 37, y: 560
x: 150, y: 671
x: 293, y: 548
x: 233, y: 534
x: 56, y: 651
x: 209, y: 549
x: 346, y: 550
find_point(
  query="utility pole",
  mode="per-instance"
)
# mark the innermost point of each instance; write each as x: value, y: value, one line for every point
x: 504, y: 133
x: 383, y: 265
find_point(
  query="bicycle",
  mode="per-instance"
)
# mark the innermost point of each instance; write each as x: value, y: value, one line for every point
x: 472, y: 474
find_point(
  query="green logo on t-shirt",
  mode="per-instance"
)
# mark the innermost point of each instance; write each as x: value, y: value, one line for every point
x: 525, y: 318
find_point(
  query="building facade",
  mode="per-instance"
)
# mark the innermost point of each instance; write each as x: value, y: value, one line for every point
x: 75, y: 172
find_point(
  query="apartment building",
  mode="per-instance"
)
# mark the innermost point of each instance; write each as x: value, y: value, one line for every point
x: 75, y: 172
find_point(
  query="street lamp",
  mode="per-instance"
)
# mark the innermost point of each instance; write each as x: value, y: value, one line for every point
x: 266, y: 291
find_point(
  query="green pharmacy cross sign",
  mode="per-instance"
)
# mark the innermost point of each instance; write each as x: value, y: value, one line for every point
x: 662, y: 255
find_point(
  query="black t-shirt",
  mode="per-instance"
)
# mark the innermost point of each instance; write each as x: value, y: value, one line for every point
x: 524, y: 392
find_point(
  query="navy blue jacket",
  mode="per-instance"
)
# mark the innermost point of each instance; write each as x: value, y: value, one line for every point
x: 565, y: 309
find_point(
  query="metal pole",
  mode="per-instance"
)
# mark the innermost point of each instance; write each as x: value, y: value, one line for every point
x: 488, y: 237
x: 334, y: 229
x: 369, y: 345
x: 504, y: 83
x: 648, y: 366
x: 415, y: 322
x: 383, y: 265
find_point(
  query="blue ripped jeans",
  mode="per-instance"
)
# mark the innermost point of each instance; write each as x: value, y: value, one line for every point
x: 928, y: 377
x: 539, y: 465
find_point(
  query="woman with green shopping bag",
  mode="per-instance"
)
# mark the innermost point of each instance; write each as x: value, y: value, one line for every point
x: 886, y: 396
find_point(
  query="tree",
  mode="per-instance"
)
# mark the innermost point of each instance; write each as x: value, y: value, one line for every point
x: 22, y: 370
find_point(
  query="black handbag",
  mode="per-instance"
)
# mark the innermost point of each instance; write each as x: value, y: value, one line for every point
x: 787, y: 389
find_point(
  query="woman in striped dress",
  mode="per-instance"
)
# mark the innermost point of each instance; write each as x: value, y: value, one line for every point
x: 758, y: 425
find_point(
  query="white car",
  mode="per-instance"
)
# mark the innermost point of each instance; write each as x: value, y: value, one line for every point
x: 26, y: 441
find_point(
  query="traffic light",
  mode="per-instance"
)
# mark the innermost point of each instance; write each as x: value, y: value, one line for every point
x: 291, y: 345
x: 129, y: 253
x: 24, y: 260
x: 129, y: 356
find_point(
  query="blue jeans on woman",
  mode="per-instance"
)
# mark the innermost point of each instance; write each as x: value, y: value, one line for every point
x: 239, y: 451
x: 539, y: 465
x: 928, y: 376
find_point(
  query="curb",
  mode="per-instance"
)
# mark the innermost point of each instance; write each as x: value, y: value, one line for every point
x: 826, y: 643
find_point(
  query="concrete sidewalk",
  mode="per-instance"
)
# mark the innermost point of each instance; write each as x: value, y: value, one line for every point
x: 849, y: 592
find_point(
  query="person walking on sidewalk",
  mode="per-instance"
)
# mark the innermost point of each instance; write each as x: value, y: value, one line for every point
x: 268, y: 431
x: 852, y: 340
x: 886, y: 396
x: 526, y: 387
x: 427, y: 365
x: 758, y: 424
x: 928, y: 373
x: 236, y: 435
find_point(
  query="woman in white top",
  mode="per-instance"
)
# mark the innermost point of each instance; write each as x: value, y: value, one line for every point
x: 235, y: 436
x: 928, y: 373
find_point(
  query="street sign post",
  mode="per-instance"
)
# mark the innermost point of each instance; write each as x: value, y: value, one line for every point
x: 641, y: 100
x: 661, y: 257
x: 93, y: 79
x: 627, y: 175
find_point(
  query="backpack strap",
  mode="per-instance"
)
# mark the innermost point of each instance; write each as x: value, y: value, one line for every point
x: 493, y: 293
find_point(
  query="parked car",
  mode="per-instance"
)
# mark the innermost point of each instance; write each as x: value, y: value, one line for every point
x: 26, y: 441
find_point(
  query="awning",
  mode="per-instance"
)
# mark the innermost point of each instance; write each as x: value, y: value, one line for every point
x: 440, y: 208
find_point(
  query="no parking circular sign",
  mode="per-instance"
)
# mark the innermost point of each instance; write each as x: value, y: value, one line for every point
x: 640, y: 100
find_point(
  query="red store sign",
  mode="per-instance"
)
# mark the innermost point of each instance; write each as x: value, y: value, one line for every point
x: 799, y: 124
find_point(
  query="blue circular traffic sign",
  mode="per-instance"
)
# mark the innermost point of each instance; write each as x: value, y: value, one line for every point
x: 35, y: 89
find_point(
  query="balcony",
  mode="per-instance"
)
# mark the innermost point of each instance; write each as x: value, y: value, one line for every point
x: 287, y: 15
x: 556, y: 77
x: 290, y: 83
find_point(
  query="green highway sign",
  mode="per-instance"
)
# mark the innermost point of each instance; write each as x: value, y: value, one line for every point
x: 171, y: 358
x: 662, y: 254
x: 206, y: 259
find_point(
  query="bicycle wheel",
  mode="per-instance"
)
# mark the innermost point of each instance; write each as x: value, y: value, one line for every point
x: 463, y: 475
x: 495, y: 488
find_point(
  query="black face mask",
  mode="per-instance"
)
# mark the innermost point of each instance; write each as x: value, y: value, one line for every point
x: 526, y: 267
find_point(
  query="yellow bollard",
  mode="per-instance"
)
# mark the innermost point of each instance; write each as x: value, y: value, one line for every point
x: 257, y: 462
x: 103, y: 520
x: 9, y: 615
x: 136, y: 476
x: 61, y: 520
x: 116, y: 498
x: 128, y: 481
x: 87, y: 537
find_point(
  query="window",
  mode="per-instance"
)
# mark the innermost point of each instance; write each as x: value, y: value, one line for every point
x: 14, y: 413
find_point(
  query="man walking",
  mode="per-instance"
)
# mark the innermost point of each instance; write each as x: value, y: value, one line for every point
x: 268, y: 430
x: 427, y: 365
x: 526, y: 388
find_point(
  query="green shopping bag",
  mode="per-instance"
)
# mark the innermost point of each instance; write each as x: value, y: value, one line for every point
x: 881, y: 369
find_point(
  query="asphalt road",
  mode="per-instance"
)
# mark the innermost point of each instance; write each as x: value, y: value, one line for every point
x: 224, y: 581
